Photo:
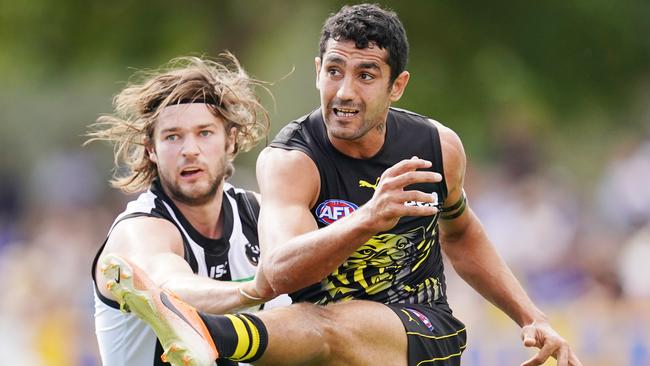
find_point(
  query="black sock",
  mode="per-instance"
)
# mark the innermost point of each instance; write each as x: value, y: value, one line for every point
x: 239, y: 337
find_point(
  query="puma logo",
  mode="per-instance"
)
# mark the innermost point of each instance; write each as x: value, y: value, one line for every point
x: 366, y: 184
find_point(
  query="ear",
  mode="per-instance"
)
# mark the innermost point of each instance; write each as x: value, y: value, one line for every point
x: 399, y: 85
x: 317, y: 62
x: 231, y: 138
x: 151, y: 151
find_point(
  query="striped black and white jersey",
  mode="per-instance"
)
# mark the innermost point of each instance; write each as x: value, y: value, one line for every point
x: 126, y: 340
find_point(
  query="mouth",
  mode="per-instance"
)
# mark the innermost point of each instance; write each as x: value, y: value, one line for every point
x: 191, y: 172
x: 345, y: 112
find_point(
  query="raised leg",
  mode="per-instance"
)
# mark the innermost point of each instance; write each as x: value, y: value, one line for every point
x: 355, y: 333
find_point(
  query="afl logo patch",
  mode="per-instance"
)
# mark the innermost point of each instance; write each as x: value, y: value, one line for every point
x: 331, y: 210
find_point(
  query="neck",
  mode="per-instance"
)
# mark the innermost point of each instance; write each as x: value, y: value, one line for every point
x: 364, y: 147
x: 205, y: 218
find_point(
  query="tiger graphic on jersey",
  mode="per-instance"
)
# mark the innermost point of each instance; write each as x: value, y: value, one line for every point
x: 380, y: 264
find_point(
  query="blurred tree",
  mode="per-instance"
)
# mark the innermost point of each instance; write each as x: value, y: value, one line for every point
x: 571, y: 69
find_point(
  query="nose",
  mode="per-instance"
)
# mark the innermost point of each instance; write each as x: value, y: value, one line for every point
x: 190, y: 146
x: 346, y: 89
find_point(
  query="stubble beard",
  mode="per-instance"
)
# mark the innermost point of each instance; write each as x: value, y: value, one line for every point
x: 197, y: 198
x: 354, y: 135
x: 343, y: 133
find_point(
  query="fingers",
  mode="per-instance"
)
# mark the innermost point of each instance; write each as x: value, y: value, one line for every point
x: 391, y: 201
x: 408, y: 178
x: 541, y: 356
x: 406, y: 173
x: 406, y: 166
x: 560, y: 350
x: 422, y: 198
x: 551, y: 344
x: 410, y: 203
x: 419, y: 211
x: 562, y: 356
x: 573, y: 359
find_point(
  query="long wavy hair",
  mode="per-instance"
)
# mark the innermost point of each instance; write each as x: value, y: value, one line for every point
x: 222, y: 84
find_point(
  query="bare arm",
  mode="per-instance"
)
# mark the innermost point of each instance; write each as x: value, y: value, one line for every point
x: 155, y: 245
x: 475, y: 259
x: 295, y: 254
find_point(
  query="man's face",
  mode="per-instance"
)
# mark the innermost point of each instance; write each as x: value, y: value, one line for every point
x: 355, y: 88
x: 190, y: 149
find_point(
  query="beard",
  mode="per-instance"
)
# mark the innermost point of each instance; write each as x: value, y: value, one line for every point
x: 196, y: 194
x: 194, y: 197
x: 350, y: 131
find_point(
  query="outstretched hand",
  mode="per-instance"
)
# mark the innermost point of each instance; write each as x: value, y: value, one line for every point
x: 388, y: 203
x: 550, y: 343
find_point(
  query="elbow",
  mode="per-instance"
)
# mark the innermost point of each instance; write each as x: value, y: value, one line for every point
x: 278, y: 276
x: 282, y: 286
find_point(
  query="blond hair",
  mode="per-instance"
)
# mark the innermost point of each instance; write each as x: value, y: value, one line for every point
x: 223, y: 85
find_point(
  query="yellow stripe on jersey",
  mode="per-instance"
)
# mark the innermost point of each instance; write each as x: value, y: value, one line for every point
x: 437, y: 337
x: 443, y: 358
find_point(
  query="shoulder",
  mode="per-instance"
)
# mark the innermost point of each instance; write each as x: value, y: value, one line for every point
x: 237, y: 193
x: 410, y: 118
x: 301, y: 134
x: 152, y: 202
x: 244, y: 199
x: 296, y: 127
x: 279, y: 161
x: 414, y: 124
x: 451, y: 144
x: 275, y: 160
x: 453, y: 156
x: 406, y: 113
x: 288, y: 172
x: 142, y: 234
x: 448, y: 138
x: 143, y: 224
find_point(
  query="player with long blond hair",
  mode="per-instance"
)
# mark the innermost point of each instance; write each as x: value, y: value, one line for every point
x: 176, y: 132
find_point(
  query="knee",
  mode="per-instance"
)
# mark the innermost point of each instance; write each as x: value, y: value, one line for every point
x: 324, y: 325
x: 344, y: 334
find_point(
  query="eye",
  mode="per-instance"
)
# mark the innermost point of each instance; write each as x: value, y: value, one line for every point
x: 333, y: 71
x: 172, y: 137
x: 366, y: 76
x: 205, y: 133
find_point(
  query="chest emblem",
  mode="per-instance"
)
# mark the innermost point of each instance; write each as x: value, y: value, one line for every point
x: 366, y: 184
x: 331, y: 210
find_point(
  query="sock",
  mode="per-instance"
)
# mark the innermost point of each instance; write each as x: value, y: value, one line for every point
x: 238, y: 337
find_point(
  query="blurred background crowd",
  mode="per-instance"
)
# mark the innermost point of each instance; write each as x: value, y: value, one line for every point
x: 551, y: 99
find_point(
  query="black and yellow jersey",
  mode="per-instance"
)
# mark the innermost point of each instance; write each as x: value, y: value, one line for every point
x: 401, y: 265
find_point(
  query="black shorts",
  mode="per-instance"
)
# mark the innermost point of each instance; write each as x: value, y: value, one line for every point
x: 434, y: 336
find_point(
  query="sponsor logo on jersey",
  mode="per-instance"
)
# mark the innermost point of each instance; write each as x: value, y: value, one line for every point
x: 253, y: 253
x: 424, y: 204
x: 422, y: 317
x: 331, y: 210
x: 366, y: 184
